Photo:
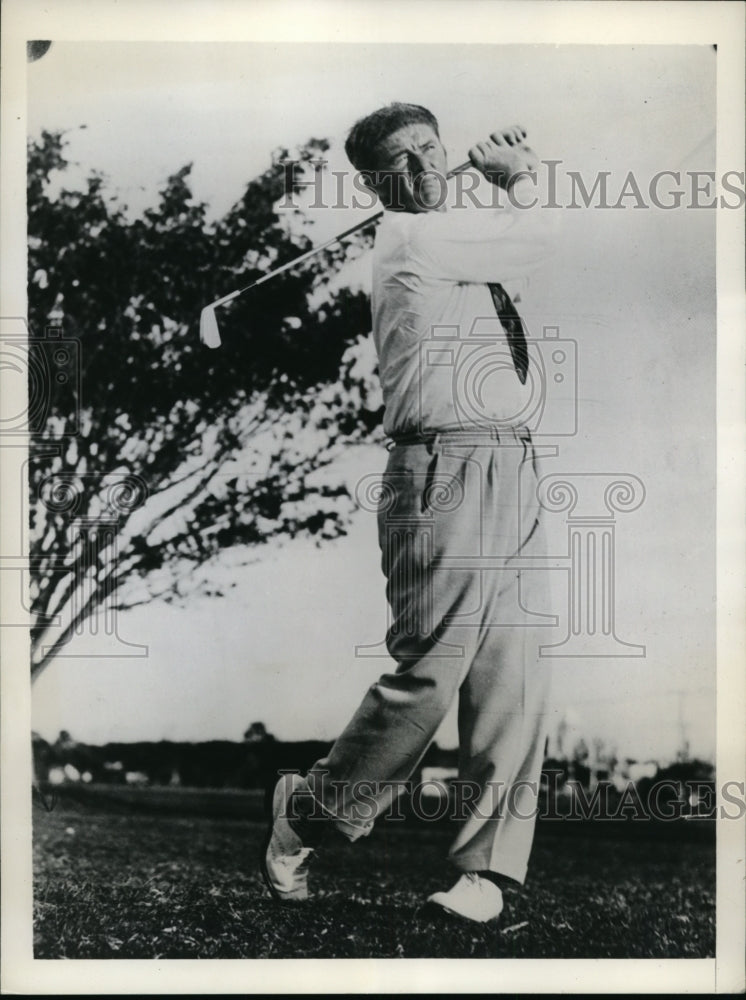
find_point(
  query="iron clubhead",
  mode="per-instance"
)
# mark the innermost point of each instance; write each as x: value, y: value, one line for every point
x: 208, y: 327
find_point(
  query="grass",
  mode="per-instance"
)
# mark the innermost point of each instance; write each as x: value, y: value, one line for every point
x: 112, y: 884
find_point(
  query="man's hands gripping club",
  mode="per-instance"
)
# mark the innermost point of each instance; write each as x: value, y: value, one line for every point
x: 504, y: 156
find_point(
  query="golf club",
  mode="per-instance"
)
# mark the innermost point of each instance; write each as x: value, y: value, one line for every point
x: 208, y: 324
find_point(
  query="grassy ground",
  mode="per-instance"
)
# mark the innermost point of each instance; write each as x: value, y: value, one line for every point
x: 127, y: 885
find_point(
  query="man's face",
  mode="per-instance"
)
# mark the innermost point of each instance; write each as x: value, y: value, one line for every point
x: 412, y: 169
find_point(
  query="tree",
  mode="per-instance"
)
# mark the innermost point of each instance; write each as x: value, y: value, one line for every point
x: 150, y: 455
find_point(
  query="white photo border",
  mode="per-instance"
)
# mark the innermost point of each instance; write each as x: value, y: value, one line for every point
x: 597, y: 23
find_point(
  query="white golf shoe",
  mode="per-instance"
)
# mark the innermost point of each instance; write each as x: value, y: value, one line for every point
x: 285, y: 857
x: 472, y: 897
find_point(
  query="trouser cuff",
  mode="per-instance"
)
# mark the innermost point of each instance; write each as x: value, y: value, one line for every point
x: 478, y: 863
x: 351, y: 829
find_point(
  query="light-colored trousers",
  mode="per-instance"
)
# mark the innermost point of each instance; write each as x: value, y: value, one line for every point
x: 454, y: 513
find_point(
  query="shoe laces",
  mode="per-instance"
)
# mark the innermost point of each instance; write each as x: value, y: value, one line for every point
x: 304, y: 856
x: 296, y: 863
x: 475, y: 879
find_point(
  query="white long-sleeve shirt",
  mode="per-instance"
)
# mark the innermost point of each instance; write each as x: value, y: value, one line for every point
x: 444, y: 359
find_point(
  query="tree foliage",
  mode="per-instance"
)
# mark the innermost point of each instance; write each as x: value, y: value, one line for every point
x: 150, y: 454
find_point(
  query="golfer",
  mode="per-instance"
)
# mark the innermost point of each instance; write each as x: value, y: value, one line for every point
x: 459, y: 521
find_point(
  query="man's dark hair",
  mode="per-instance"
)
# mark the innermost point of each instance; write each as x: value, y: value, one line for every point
x: 366, y: 134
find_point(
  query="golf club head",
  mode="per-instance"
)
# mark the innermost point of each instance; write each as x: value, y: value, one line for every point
x: 208, y: 327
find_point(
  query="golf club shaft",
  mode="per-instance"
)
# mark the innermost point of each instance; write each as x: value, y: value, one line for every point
x: 322, y: 246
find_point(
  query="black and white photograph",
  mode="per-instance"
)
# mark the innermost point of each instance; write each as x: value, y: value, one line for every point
x: 372, y: 519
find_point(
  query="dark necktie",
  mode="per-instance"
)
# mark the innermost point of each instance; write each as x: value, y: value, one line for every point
x: 513, y: 326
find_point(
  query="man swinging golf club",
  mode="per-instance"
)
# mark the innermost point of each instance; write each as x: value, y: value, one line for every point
x: 458, y: 519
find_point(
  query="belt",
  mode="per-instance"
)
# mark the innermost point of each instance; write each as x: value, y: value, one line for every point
x: 504, y: 435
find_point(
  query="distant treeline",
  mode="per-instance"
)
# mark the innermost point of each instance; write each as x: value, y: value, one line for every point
x: 254, y: 763
x: 211, y: 764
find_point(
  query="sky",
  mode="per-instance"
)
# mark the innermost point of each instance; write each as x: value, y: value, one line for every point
x: 633, y: 290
